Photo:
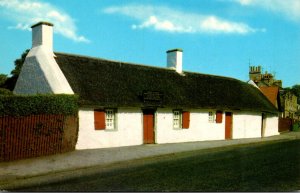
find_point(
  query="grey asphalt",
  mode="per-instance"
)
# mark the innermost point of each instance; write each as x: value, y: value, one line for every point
x: 33, y: 171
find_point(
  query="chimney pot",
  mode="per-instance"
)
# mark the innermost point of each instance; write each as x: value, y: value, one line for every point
x: 42, y: 35
x: 174, y: 59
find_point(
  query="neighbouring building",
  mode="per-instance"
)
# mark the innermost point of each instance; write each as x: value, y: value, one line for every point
x: 262, y: 80
x: 123, y: 104
x: 289, y: 104
x: 272, y: 93
x: 284, y: 101
x: 297, y: 114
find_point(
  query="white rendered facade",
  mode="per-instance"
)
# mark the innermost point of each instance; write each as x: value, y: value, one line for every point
x: 129, y: 128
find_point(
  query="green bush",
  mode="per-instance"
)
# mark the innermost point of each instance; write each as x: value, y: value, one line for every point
x: 296, y: 126
x: 4, y: 91
x: 23, y: 105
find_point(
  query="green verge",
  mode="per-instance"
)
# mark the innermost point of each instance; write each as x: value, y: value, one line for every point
x: 24, y: 105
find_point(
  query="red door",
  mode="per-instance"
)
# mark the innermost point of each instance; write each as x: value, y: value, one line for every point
x: 228, y: 125
x: 148, y: 119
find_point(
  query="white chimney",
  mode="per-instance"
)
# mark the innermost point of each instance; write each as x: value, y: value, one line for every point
x: 42, y: 35
x: 174, y: 59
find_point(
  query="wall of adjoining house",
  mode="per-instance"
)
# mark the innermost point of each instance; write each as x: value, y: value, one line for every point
x: 271, y: 125
x: 128, y: 131
x: 246, y: 125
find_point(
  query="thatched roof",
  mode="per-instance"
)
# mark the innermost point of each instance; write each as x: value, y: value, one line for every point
x: 106, y: 83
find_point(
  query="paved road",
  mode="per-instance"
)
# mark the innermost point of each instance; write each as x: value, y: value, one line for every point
x: 269, y: 166
x: 59, y: 167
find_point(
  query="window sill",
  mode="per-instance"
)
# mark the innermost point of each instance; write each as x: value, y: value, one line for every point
x: 111, y: 130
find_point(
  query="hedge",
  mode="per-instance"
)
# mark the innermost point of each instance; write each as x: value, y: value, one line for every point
x: 24, y: 105
x: 296, y: 126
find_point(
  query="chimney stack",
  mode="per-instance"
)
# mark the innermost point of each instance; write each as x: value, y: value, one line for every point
x: 42, y: 35
x: 174, y: 59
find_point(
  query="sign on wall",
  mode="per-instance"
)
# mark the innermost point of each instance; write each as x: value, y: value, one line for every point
x: 153, y: 98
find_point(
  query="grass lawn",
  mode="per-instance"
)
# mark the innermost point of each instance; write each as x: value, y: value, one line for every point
x: 274, y: 166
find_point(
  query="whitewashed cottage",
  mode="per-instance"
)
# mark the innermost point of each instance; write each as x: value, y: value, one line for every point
x: 124, y: 104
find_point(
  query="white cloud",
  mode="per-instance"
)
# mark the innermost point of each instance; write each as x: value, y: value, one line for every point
x: 169, y: 20
x: 20, y: 26
x: 161, y: 25
x: 289, y: 8
x: 28, y: 12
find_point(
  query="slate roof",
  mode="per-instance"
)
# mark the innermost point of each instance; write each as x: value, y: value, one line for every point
x: 105, y: 83
x: 272, y: 93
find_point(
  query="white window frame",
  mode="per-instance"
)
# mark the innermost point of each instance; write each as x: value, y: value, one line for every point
x: 211, y: 116
x: 110, y: 119
x: 177, y: 119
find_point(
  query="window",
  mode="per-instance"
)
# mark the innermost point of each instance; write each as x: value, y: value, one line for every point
x: 211, y: 117
x: 109, y: 119
x: 181, y: 119
x: 177, y: 119
x: 104, y: 119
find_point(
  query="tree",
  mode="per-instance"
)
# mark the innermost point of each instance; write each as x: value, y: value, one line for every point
x: 3, y: 90
x: 18, y: 64
x: 11, y: 81
x: 296, y: 90
x: 3, y: 78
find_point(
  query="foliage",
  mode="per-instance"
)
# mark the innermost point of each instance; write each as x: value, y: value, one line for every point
x: 10, y: 82
x: 18, y: 64
x: 3, y: 78
x: 295, y: 90
x: 296, y: 126
x: 4, y: 91
x: 23, y: 105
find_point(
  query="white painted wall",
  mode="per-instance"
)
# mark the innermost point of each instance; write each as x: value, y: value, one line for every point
x: 200, y: 129
x: 41, y: 74
x: 129, y: 130
x: 246, y: 125
x: 271, y: 125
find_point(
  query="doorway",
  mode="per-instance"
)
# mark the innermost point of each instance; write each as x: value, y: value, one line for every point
x: 148, y: 125
x: 228, y: 125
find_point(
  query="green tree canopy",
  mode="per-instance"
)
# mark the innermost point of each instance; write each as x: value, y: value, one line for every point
x: 295, y: 90
x: 3, y: 78
x: 10, y: 82
x: 18, y: 64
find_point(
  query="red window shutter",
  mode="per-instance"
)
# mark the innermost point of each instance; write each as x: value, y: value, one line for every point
x: 185, y: 119
x: 219, y: 117
x: 99, y: 118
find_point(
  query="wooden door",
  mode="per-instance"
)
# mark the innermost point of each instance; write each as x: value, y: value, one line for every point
x: 148, y: 120
x: 228, y: 125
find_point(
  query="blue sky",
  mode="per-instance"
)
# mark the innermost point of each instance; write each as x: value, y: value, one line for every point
x: 217, y: 36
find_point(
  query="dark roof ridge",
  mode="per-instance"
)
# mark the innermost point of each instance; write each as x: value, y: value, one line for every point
x: 214, y: 75
x: 115, y: 61
x: 148, y: 66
